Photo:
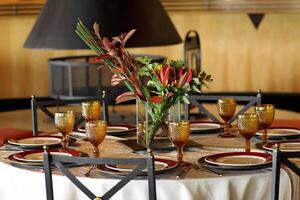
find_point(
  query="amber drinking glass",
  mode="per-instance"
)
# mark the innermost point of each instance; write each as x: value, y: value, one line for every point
x: 179, y: 132
x: 226, y: 110
x: 64, y: 122
x: 91, y: 110
x: 266, y: 113
x: 95, y: 133
x: 248, y: 126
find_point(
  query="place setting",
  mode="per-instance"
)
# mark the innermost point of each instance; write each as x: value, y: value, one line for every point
x: 240, y: 161
x: 286, y: 138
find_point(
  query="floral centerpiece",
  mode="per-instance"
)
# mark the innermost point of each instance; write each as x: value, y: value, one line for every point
x: 160, y: 85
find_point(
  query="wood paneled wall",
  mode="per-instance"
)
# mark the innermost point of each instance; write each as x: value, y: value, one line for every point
x: 239, y: 57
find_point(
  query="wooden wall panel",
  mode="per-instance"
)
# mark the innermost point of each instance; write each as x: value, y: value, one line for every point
x: 239, y: 57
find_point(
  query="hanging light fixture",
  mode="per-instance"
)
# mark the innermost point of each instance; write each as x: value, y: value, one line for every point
x: 55, y: 29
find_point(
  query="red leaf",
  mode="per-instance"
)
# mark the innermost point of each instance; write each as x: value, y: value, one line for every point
x: 167, y: 76
x: 126, y: 96
x: 116, y: 80
x: 189, y: 75
x: 117, y: 70
x: 96, y: 30
x: 106, y: 43
x: 100, y: 58
x: 117, y: 39
x: 128, y: 35
x: 156, y: 99
x: 182, y: 80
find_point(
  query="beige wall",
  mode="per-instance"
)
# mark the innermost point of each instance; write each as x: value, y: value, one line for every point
x: 239, y: 57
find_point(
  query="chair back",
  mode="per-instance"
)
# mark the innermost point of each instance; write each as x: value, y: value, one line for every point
x: 279, y: 158
x: 198, y: 100
x: 58, y: 161
x: 44, y: 106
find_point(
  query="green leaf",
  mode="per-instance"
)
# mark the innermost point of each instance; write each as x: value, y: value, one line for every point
x: 194, y: 88
x: 144, y: 60
x: 185, y: 99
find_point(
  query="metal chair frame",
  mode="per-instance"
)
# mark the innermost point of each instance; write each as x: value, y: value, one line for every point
x: 57, y: 160
x: 42, y: 105
x: 197, y: 100
x: 278, y: 158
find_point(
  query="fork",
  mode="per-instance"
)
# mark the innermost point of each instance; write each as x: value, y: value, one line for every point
x: 198, y: 167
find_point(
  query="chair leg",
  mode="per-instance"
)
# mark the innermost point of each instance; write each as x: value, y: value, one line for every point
x: 151, y: 178
x: 275, y: 175
x: 34, y: 116
x: 48, y: 176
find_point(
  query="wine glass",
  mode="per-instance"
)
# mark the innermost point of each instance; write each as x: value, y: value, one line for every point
x: 247, y: 125
x: 266, y: 113
x: 226, y: 109
x: 91, y: 110
x: 179, y: 132
x: 95, y: 133
x: 64, y: 122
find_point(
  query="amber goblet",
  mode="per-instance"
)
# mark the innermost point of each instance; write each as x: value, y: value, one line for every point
x: 64, y: 122
x: 248, y: 126
x: 226, y: 110
x: 179, y: 132
x: 95, y: 133
x: 91, y: 110
x: 266, y: 113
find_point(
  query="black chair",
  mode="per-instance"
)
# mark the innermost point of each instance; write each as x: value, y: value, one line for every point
x: 44, y: 105
x: 58, y: 161
x: 198, y: 100
x: 278, y: 158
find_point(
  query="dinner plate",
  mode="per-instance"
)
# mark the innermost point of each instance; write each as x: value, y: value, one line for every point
x: 36, y: 156
x: 286, y: 146
x: 161, y: 165
x: 239, y: 159
x: 205, y: 127
x: 281, y: 133
x: 36, y: 142
x: 115, y: 129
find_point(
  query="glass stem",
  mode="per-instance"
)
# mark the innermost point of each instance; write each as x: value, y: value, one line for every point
x: 96, y: 152
x: 248, y: 146
x: 226, y: 128
x: 180, y: 155
x: 265, y: 136
x: 65, y: 142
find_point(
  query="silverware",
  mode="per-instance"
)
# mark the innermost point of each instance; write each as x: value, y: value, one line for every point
x: 198, y: 167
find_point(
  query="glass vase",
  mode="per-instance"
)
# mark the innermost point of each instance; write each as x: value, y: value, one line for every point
x: 152, y: 120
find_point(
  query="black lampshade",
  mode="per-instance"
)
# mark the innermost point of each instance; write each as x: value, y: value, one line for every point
x: 55, y: 27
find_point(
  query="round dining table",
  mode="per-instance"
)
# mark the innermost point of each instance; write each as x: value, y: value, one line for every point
x: 23, y: 182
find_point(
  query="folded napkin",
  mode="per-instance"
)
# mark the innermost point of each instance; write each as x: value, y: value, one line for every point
x: 13, y: 133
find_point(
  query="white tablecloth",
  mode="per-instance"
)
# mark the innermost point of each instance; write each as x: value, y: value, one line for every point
x: 16, y: 183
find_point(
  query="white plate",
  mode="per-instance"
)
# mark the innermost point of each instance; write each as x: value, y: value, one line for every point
x: 161, y: 165
x: 280, y: 132
x: 36, y: 156
x: 113, y: 129
x: 128, y: 168
x: 286, y: 146
x: 205, y: 127
x: 35, y: 141
x: 239, y: 159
